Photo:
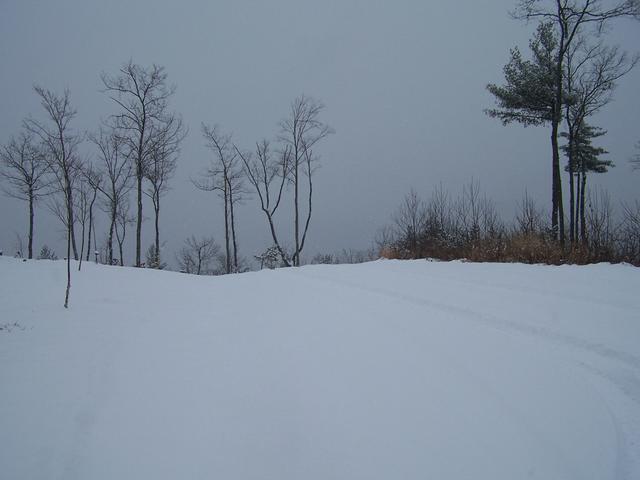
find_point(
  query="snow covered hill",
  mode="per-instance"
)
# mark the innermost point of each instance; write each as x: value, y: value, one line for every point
x: 386, y: 370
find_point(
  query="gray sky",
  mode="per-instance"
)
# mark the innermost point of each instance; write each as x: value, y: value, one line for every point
x: 403, y: 83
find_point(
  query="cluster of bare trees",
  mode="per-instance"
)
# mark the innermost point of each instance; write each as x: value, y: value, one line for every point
x: 468, y: 226
x: 149, y: 135
x: 266, y: 173
x: 571, y: 76
x: 198, y: 256
x: 136, y: 148
x: 224, y: 176
x: 25, y: 170
x: 443, y: 226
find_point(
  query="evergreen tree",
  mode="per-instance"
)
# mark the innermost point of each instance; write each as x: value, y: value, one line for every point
x: 529, y: 97
x: 585, y: 158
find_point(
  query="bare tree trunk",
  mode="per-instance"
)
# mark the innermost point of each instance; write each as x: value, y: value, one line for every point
x: 571, y: 157
x: 226, y: 229
x: 139, y: 219
x: 576, y: 233
x: 95, y: 194
x: 296, y: 254
x: 572, y: 203
x: 82, y: 247
x: 71, y: 219
x: 95, y: 244
x: 310, y: 198
x: 233, y: 230
x: 66, y: 295
x: 583, y: 221
x: 31, y: 215
x: 89, y: 235
x: 110, y: 238
x: 156, y: 207
x: 69, y: 232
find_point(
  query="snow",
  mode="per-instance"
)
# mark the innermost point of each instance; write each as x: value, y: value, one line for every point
x: 385, y: 370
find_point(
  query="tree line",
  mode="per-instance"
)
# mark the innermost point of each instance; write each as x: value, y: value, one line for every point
x: 136, y: 151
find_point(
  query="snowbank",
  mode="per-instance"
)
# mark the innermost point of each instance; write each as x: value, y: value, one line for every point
x: 384, y: 370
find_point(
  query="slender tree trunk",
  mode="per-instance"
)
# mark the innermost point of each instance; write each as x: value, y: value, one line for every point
x: 112, y: 226
x: 66, y: 295
x: 296, y: 255
x: 583, y: 221
x: 69, y: 232
x: 571, y: 155
x: 71, y: 219
x: 156, y: 205
x: 226, y: 228
x: 31, y: 215
x: 233, y: 230
x: 309, y: 205
x: 572, y: 204
x: 89, y: 235
x: 120, y: 243
x: 139, y: 220
x: 95, y: 194
x: 576, y: 233
x: 95, y: 244
x: 81, y: 247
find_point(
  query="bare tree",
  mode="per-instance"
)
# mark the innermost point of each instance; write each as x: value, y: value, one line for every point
x: 262, y: 171
x: 93, y: 179
x: 410, y: 223
x: 197, y: 254
x: 24, y: 168
x: 82, y: 198
x: 61, y: 145
x: 123, y: 220
x: 468, y: 212
x: 300, y: 133
x: 162, y: 166
x: 142, y: 95
x: 570, y: 18
x: 224, y: 175
x: 118, y: 179
x: 529, y: 218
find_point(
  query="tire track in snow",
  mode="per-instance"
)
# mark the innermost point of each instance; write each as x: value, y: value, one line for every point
x: 627, y: 384
x: 491, y: 320
x: 530, y: 290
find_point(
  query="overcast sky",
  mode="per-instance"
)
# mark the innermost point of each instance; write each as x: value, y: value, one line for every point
x: 403, y: 83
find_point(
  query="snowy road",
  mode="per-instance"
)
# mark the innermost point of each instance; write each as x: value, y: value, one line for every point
x: 382, y: 370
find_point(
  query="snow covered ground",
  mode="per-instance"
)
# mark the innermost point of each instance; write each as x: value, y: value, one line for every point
x: 386, y: 370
